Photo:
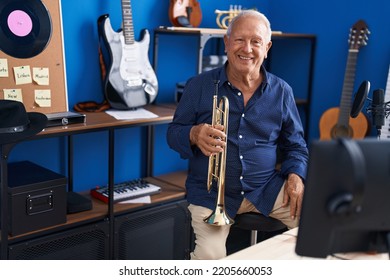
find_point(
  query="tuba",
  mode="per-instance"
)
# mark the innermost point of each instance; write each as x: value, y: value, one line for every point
x: 217, y: 164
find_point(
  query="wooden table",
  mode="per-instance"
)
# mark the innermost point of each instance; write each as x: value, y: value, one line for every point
x: 282, y: 247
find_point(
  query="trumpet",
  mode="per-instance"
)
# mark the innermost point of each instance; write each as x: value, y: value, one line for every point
x: 217, y: 164
x: 224, y: 18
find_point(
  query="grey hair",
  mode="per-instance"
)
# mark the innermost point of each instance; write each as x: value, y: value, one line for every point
x: 249, y: 13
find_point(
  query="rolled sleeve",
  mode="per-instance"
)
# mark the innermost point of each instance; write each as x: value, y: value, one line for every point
x: 178, y: 138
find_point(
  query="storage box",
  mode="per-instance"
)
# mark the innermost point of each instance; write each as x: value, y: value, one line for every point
x: 36, y: 197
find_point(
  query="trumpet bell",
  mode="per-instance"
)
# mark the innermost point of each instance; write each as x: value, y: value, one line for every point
x: 219, y: 217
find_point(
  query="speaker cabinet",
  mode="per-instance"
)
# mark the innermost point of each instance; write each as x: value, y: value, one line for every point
x: 82, y: 243
x: 159, y: 233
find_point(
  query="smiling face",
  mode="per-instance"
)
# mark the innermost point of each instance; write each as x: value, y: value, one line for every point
x: 247, y: 45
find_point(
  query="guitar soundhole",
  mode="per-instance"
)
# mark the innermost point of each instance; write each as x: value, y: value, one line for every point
x: 342, y: 131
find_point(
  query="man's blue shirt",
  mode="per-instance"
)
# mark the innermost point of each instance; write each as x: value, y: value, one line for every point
x: 266, y: 131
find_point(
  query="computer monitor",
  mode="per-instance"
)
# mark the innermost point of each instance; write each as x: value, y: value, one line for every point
x: 346, y: 203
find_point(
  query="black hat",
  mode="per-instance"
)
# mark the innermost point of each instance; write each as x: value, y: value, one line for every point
x: 16, y: 124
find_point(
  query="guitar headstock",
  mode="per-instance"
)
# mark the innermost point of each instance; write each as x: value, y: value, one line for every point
x: 358, y: 36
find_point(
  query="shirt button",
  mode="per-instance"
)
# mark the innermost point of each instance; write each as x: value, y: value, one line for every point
x: 241, y: 177
x: 243, y: 115
x: 239, y: 93
x: 241, y: 157
x: 240, y: 136
x: 242, y: 193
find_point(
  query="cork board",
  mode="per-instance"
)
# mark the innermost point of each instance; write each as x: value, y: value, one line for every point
x: 45, y: 90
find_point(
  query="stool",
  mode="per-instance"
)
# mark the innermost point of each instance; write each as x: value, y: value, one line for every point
x: 258, y: 222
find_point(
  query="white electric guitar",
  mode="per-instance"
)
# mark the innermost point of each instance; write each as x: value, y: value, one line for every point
x: 130, y: 80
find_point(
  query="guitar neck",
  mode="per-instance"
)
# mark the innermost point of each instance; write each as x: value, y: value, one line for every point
x: 346, y: 126
x: 128, y: 28
x: 349, y: 81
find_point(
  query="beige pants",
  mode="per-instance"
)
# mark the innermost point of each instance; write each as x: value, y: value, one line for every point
x: 210, y: 241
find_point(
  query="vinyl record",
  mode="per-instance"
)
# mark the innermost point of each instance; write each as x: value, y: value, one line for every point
x: 25, y: 27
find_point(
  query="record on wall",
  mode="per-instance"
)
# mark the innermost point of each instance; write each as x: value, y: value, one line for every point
x: 25, y: 27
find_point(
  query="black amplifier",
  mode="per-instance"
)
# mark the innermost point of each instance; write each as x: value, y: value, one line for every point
x: 36, y: 197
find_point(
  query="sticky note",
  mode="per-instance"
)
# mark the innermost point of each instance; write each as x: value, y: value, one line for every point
x: 22, y: 75
x: 41, y: 76
x: 13, y: 94
x: 3, y: 67
x: 43, y: 97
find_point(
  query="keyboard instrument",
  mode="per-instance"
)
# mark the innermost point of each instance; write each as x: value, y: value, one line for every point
x: 126, y: 190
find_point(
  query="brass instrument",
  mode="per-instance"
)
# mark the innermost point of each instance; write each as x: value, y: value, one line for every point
x: 217, y: 164
x: 225, y: 17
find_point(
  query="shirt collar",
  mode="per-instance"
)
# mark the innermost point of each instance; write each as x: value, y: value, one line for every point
x: 266, y: 76
x: 265, y: 82
x: 223, y: 76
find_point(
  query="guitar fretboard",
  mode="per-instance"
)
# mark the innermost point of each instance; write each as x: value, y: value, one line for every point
x: 357, y: 38
x: 128, y: 28
x: 385, y: 131
x: 349, y: 80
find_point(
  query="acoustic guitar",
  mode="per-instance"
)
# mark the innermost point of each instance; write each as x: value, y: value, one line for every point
x: 336, y: 122
x: 185, y: 13
x: 129, y: 81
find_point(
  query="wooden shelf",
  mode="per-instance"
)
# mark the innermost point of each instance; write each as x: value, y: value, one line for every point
x: 168, y: 193
x: 177, y: 179
x: 99, y: 211
x: 103, y: 121
x: 102, y: 211
x: 218, y: 32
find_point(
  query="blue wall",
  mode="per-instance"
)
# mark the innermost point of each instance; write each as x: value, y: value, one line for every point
x: 329, y: 20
